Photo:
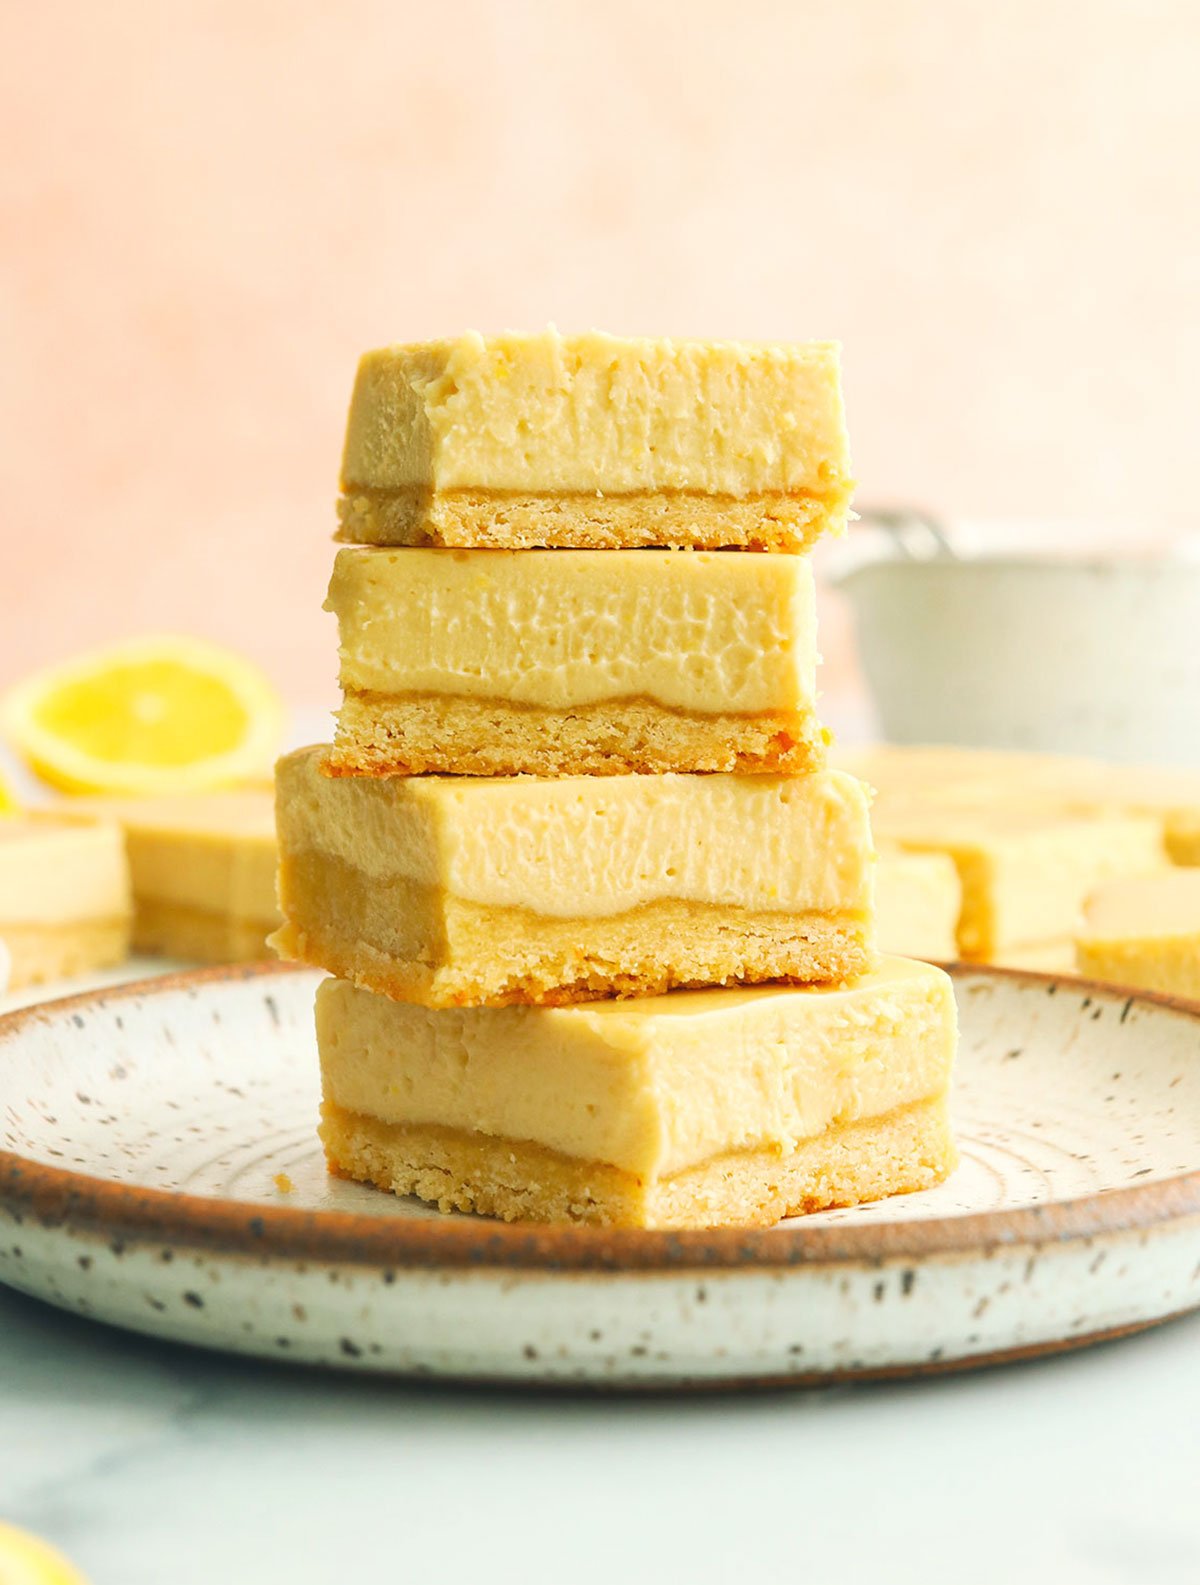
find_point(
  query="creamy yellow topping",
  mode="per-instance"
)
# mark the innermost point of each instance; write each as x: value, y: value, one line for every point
x: 54, y: 871
x: 694, y: 631
x: 585, y: 845
x: 917, y: 901
x: 594, y: 413
x: 652, y: 1085
x: 1148, y: 907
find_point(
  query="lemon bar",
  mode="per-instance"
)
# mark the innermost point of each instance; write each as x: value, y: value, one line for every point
x: 203, y: 871
x: 1172, y: 794
x: 457, y: 890
x: 918, y: 897
x: 700, y: 1108
x: 1145, y: 932
x: 1042, y: 957
x: 64, y: 897
x: 996, y: 778
x: 1024, y: 873
x: 587, y: 662
x: 595, y: 442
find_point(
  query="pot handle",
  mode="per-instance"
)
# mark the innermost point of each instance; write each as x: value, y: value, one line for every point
x: 916, y: 535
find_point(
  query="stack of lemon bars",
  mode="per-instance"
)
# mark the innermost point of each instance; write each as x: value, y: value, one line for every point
x: 599, y: 915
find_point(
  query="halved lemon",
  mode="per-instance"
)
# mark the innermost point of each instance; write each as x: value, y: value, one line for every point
x: 8, y: 802
x: 24, y: 1560
x: 156, y: 715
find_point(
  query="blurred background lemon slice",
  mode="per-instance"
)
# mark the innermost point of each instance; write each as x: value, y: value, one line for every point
x: 8, y: 799
x: 154, y: 715
x: 24, y: 1560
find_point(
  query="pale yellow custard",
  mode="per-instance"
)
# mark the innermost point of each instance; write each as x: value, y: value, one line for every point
x: 460, y: 889
x: 987, y: 779
x: 1024, y: 873
x: 64, y: 897
x: 493, y: 662
x: 203, y: 869
x: 713, y: 1105
x: 595, y: 440
x: 918, y: 898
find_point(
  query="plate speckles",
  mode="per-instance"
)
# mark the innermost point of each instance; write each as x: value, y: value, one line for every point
x: 142, y: 1131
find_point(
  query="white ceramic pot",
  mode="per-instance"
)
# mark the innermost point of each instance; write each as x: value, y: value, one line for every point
x: 1071, y: 654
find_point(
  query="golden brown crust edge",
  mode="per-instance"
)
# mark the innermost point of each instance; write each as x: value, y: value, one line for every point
x: 379, y: 735
x: 673, y: 520
x: 906, y: 1150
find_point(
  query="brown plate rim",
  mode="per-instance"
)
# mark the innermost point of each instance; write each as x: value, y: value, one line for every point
x: 89, y: 1206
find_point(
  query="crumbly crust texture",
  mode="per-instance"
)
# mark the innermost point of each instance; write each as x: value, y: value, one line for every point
x: 908, y: 1149
x: 42, y: 953
x: 668, y: 519
x: 380, y: 735
x: 1170, y: 966
x: 417, y: 944
x: 173, y: 930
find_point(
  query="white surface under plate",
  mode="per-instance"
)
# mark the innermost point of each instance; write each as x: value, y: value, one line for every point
x: 144, y: 1127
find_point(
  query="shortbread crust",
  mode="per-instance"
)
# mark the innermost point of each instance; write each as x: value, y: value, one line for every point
x: 480, y: 519
x: 903, y: 1152
x: 379, y: 735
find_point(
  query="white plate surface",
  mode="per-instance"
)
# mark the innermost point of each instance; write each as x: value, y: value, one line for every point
x: 142, y: 1130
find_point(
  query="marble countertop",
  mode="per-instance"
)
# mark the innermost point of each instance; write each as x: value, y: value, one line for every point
x: 148, y: 1462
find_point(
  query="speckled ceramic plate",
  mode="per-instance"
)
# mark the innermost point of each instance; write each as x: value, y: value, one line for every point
x: 144, y: 1129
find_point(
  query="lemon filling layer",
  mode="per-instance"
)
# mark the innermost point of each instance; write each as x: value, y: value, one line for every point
x: 598, y: 414
x: 701, y: 632
x: 585, y: 847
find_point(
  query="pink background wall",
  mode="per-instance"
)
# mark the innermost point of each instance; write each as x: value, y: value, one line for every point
x: 210, y: 208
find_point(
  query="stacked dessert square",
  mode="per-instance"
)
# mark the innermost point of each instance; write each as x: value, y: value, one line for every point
x: 600, y: 916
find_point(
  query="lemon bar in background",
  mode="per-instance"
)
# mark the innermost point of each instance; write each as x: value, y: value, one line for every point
x: 1042, y: 957
x: 64, y: 897
x: 203, y: 871
x: 697, y: 1109
x: 966, y: 777
x: 969, y: 778
x: 1172, y: 794
x: 1145, y: 932
x: 1183, y: 836
x: 589, y: 662
x: 455, y: 890
x: 1024, y: 873
x: 918, y: 898
x: 596, y: 442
